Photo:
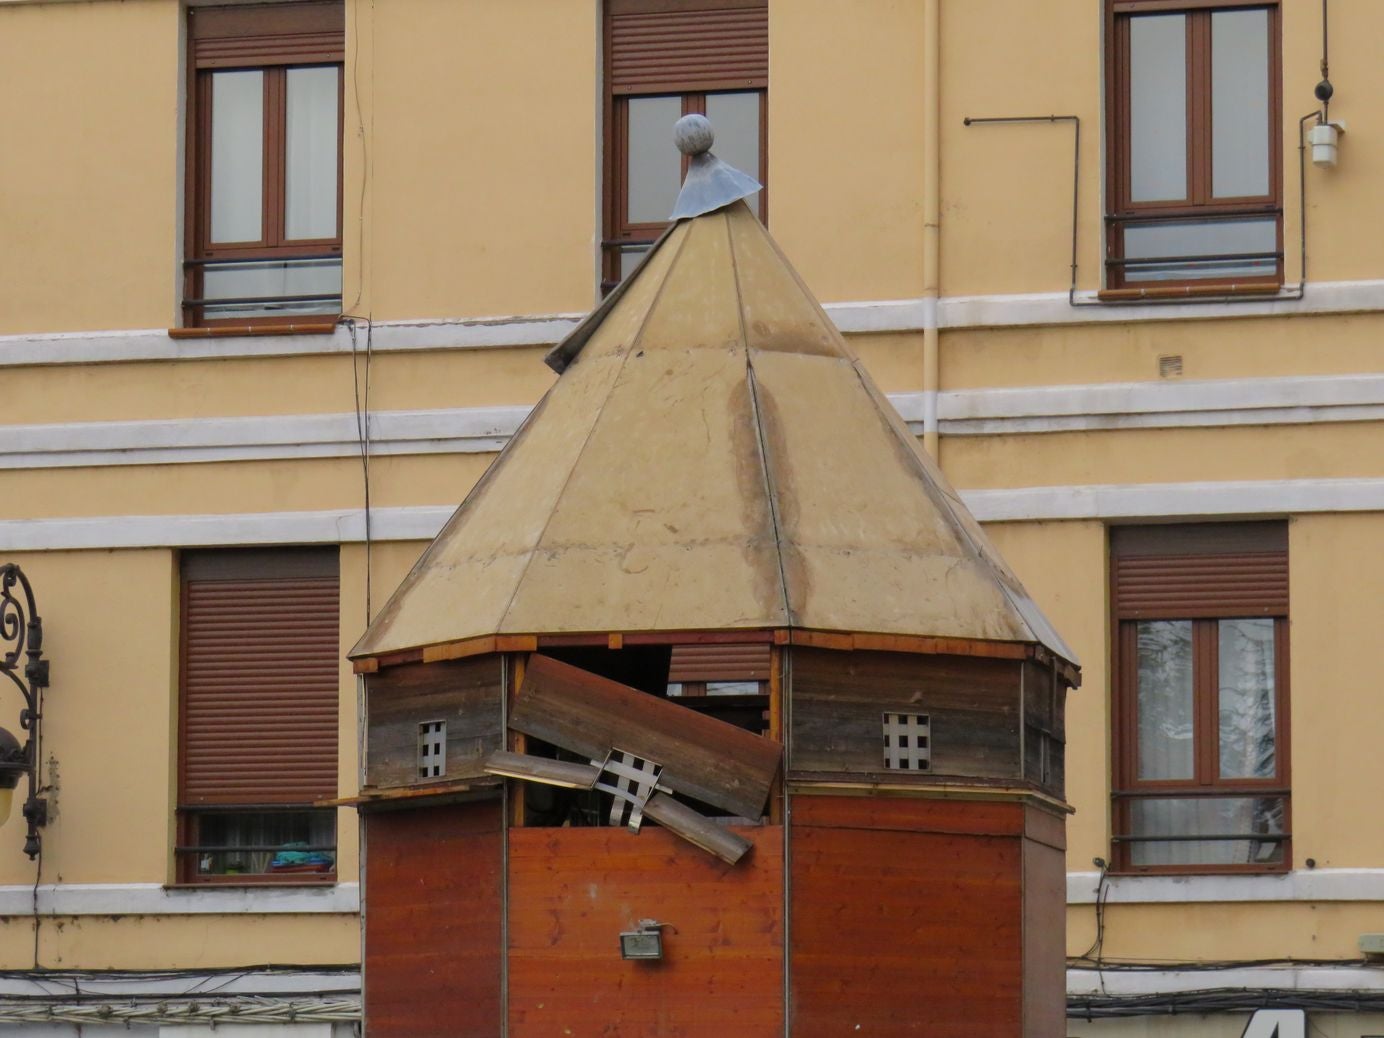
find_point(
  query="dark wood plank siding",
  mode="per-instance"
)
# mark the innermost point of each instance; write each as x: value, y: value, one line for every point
x: 432, y: 921
x: 898, y: 932
x: 573, y: 890
x: 1045, y: 925
x: 838, y: 699
x: 1045, y: 738
x: 467, y: 694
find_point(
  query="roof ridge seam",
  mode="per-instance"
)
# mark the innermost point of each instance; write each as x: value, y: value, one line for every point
x: 591, y: 430
x: 770, y: 494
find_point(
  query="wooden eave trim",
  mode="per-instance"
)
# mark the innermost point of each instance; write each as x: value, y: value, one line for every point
x: 846, y: 641
x: 833, y: 784
x: 484, y: 785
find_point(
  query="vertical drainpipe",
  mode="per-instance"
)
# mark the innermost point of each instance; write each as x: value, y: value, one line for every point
x: 932, y: 211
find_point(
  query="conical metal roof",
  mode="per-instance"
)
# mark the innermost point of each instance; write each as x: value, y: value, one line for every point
x: 713, y: 456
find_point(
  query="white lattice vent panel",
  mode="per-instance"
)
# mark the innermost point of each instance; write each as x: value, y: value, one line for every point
x: 432, y: 749
x: 907, y: 742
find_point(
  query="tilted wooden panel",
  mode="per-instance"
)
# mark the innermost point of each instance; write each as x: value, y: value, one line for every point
x: 1185, y: 586
x: 905, y: 933
x: 719, y: 663
x: 702, y: 757
x: 688, y: 47
x: 261, y: 686
x: 838, y: 697
x: 432, y: 921
x: 466, y: 694
x: 573, y: 890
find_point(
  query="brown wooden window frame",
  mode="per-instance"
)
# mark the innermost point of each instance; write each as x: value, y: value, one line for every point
x: 736, y: 74
x: 309, y: 578
x: 1178, y: 592
x: 1199, y: 203
x: 272, y: 39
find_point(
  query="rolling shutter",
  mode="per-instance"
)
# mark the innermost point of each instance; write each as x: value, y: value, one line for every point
x: 1200, y: 570
x: 695, y: 45
x: 267, y: 34
x: 260, y: 677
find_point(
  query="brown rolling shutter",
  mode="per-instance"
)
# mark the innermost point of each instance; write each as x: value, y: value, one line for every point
x: 267, y: 34
x: 1200, y: 570
x: 719, y: 663
x: 260, y: 677
x: 658, y: 46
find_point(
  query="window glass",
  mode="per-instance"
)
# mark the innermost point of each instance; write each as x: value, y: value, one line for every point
x: 654, y: 164
x: 1247, y: 729
x: 285, y: 283
x: 1158, y: 108
x: 258, y: 843
x: 1165, y: 699
x: 237, y: 156
x: 1202, y: 825
x: 1224, y: 243
x: 1240, y: 103
x: 310, y: 205
x: 735, y: 118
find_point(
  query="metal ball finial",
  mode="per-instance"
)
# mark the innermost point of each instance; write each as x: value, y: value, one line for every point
x: 693, y: 134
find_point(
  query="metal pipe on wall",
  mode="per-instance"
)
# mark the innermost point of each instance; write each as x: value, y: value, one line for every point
x: 932, y: 211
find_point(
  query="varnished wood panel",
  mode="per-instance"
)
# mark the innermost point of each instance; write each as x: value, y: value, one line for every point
x: 573, y: 890
x: 838, y: 699
x: 432, y: 921
x: 1045, y: 944
x: 898, y: 933
x: 467, y: 694
x: 702, y: 757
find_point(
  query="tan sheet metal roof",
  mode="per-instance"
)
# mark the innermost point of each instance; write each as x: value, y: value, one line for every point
x: 712, y: 457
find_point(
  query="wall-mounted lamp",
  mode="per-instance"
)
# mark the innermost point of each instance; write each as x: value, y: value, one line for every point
x: 1324, y: 138
x: 645, y: 942
x: 21, y: 633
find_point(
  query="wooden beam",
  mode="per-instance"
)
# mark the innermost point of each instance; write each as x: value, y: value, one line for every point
x: 702, y: 757
x: 710, y: 837
x: 549, y: 772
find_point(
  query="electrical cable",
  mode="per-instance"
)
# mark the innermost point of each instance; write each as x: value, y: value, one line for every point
x: 362, y: 402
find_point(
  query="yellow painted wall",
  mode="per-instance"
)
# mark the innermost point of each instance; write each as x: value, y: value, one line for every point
x: 89, y: 172
x: 845, y: 105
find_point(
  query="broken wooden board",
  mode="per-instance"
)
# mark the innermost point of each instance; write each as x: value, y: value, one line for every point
x: 667, y: 812
x: 702, y: 757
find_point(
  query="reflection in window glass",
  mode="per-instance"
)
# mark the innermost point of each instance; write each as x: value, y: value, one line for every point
x: 1207, y: 817
x: 237, y: 156
x: 655, y: 165
x: 735, y: 118
x: 270, y: 279
x: 233, y: 843
x: 1165, y: 699
x: 1159, y: 243
x: 1158, y: 108
x: 1240, y: 103
x: 310, y: 206
x: 1247, y: 698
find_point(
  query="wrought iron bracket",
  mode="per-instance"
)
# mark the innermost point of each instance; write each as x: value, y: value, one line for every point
x: 21, y: 635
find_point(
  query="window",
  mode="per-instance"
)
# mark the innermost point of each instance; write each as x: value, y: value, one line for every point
x: 260, y: 685
x: 1201, y: 697
x: 1194, y: 144
x: 666, y: 59
x: 264, y: 164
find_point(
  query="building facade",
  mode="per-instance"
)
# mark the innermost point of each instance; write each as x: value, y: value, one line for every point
x: 275, y: 286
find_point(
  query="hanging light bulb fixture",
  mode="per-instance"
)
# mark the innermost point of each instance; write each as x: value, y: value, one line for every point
x: 21, y: 635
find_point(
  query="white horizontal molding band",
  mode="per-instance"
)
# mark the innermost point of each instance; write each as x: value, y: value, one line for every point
x: 469, y: 430
x: 1298, y: 885
x: 422, y: 522
x: 855, y: 317
x: 1172, y: 404
x: 156, y: 899
x: 181, y: 983
x: 976, y: 412
x: 1088, y: 982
